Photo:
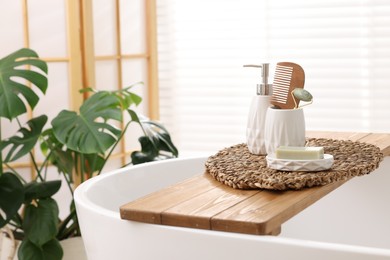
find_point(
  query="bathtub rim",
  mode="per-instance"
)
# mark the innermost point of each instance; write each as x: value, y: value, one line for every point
x: 82, y: 200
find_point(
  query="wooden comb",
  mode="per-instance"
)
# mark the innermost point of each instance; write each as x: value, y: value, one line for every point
x: 288, y: 76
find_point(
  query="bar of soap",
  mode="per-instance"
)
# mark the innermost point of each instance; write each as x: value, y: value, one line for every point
x: 299, y: 153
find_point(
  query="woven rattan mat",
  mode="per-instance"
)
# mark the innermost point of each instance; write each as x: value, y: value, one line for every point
x: 236, y: 167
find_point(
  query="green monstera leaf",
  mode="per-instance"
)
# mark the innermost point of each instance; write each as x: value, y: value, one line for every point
x: 41, y: 221
x: 159, y: 136
x: 155, y: 141
x: 125, y: 96
x: 88, y: 132
x: 128, y: 98
x: 41, y: 190
x: 148, y: 152
x: 12, y: 67
x: 11, y: 196
x: 23, y: 143
x: 56, y: 154
x: 49, y: 251
x: 93, y: 163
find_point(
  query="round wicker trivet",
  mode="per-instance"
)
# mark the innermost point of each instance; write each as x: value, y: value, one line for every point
x: 236, y: 167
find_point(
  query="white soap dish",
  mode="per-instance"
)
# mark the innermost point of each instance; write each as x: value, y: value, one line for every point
x: 300, y: 165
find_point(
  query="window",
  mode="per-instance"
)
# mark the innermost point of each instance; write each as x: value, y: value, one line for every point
x: 205, y: 92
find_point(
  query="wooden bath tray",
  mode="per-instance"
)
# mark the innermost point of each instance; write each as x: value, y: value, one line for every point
x: 204, y: 203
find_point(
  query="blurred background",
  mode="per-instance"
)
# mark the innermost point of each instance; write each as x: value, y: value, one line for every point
x: 189, y: 54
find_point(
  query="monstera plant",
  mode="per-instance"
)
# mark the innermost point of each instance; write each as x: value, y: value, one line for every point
x: 75, y: 142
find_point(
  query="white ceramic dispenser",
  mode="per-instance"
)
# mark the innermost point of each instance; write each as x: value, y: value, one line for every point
x: 257, y: 112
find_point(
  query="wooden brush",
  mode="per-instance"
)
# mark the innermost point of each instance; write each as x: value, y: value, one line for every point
x: 288, y: 76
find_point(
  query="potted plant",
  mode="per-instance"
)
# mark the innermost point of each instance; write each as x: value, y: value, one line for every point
x: 77, y: 143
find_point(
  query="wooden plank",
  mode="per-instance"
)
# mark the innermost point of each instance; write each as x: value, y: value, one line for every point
x: 276, y: 231
x: 247, y: 216
x: 122, y: 56
x: 26, y: 32
x: 197, y: 211
x: 119, y: 71
x: 148, y: 209
x: 380, y: 140
x: 336, y: 135
x: 75, y: 55
x: 87, y: 45
x: 152, y: 62
x: 75, y: 65
x: 264, y: 212
x: 201, y: 202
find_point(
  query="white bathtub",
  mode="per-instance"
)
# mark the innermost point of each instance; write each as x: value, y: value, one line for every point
x: 353, y: 222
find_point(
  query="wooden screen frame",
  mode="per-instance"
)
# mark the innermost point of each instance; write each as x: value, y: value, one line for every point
x: 81, y: 58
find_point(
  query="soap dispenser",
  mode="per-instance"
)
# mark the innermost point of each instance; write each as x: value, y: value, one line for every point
x: 257, y: 112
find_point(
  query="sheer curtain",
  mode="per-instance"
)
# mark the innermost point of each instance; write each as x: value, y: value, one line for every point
x: 343, y: 46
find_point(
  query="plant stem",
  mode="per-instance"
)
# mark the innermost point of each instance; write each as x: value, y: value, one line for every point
x: 1, y: 153
x: 68, y: 232
x: 32, y: 157
x: 16, y: 221
x: 62, y: 228
x: 15, y: 225
x: 45, y: 164
x: 16, y: 173
x: 36, y: 167
x: 113, y: 147
x: 45, y: 171
x: 72, y: 230
x: 68, y: 183
x: 18, y: 235
x: 82, y: 167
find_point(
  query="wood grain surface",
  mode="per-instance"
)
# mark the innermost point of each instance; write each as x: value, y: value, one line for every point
x: 204, y: 203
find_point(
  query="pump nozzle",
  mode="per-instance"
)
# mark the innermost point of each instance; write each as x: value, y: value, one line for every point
x: 264, y: 88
